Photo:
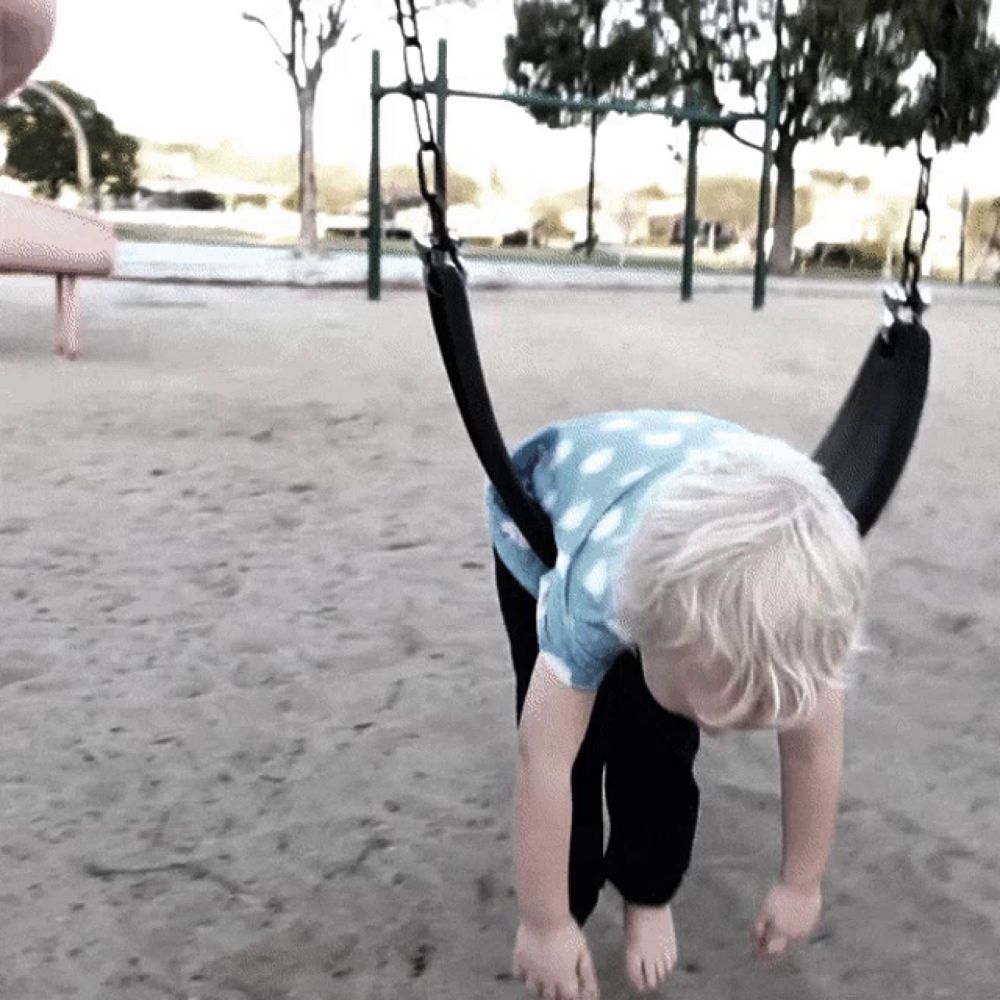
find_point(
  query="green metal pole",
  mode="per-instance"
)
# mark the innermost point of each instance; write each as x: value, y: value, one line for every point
x: 690, y: 214
x: 375, y: 189
x: 441, y: 90
x: 764, y: 205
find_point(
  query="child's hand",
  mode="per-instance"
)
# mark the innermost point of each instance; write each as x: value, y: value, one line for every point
x: 555, y: 962
x: 788, y: 914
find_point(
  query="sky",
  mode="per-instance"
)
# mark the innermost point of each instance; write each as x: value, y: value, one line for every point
x: 195, y: 71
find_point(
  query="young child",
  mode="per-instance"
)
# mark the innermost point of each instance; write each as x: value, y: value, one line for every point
x: 707, y: 578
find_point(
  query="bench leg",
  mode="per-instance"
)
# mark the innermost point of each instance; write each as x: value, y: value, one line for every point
x: 67, y: 316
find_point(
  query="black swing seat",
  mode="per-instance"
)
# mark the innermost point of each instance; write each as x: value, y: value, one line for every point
x: 863, y: 453
x: 452, y: 318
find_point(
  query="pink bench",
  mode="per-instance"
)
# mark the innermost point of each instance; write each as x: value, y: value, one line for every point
x: 39, y: 237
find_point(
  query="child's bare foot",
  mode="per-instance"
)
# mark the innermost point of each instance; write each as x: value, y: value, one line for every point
x: 650, y: 945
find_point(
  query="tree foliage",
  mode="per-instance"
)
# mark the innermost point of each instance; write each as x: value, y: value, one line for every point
x: 41, y: 150
x: 570, y: 49
x: 577, y: 48
x: 872, y: 69
x: 314, y: 29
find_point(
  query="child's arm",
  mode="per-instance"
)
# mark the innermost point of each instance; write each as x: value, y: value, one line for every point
x: 812, y: 767
x: 550, y: 954
x: 812, y: 770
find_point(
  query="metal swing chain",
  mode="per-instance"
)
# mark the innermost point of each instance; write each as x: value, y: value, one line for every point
x: 908, y: 294
x: 432, y: 181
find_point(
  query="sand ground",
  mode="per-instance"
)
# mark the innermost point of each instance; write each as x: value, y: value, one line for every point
x: 256, y: 736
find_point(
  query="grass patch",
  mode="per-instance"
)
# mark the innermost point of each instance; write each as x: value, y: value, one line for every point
x: 148, y: 233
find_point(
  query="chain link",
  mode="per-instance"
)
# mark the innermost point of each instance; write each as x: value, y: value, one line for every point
x: 430, y: 159
x: 913, y: 256
x: 937, y: 135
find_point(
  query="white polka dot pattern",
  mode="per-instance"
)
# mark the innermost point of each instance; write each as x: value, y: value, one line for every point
x: 510, y: 530
x: 574, y: 517
x: 596, y: 581
x: 607, y: 525
x: 592, y: 476
x: 563, y: 451
x: 664, y: 439
x: 597, y: 462
x: 634, y: 476
x: 562, y: 564
x: 619, y: 424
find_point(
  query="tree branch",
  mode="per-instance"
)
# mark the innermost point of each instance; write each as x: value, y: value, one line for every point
x: 335, y: 28
x: 730, y: 130
x: 420, y: 10
x: 287, y: 62
x: 296, y: 42
x: 257, y: 20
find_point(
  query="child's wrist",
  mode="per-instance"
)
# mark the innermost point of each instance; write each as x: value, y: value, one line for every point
x: 803, y: 883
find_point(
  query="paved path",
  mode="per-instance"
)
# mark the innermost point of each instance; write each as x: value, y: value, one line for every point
x: 280, y: 266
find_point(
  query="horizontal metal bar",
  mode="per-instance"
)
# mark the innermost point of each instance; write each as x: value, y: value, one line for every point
x: 701, y: 118
x: 622, y: 107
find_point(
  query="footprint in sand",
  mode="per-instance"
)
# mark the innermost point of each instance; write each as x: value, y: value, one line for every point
x: 271, y: 967
x: 19, y: 667
x: 217, y: 579
x: 255, y: 672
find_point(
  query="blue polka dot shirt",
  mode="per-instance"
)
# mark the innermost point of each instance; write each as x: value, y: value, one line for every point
x: 592, y: 475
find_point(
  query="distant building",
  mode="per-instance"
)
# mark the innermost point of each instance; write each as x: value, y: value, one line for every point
x: 224, y: 193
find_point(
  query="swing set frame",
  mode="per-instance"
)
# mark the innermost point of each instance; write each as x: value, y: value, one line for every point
x: 696, y: 119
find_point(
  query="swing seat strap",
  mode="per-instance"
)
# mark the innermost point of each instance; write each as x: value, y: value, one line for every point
x: 452, y: 318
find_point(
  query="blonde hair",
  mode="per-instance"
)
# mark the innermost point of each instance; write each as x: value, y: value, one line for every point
x: 746, y: 556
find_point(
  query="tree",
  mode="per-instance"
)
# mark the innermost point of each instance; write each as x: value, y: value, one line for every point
x: 872, y: 69
x: 43, y: 151
x: 578, y: 48
x: 729, y: 199
x: 303, y: 62
x: 864, y: 68
x: 547, y: 214
x: 984, y: 237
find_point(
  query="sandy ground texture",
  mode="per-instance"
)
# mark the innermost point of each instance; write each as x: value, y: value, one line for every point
x: 256, y: 737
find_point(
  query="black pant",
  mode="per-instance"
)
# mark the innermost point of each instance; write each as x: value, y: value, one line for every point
x: 645, y: 754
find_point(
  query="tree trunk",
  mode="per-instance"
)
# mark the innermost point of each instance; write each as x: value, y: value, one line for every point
x: 591, y: 235
x: 784, y: 206
x: 308, y: 238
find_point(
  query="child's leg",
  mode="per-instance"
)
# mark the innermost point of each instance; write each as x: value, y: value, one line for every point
x: 651, y: 791
x: 586, y: 847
